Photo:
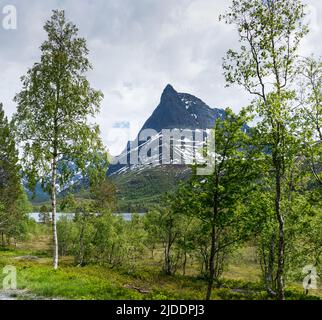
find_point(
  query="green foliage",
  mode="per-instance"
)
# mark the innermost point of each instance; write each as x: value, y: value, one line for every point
x: 13, y: 201
x: 166, y: 227
x: 270, y: 33
x: 95, y: 235
x: 220, y: 200
x: 52, y: 118
x: 265, y: 65
x: 102, y: 239
x: 53, y: 110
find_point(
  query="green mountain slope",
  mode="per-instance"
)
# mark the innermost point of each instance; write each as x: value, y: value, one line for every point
x: 138, y: 190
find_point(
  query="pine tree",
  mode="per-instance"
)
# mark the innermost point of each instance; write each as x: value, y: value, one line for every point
x: 12, y: 197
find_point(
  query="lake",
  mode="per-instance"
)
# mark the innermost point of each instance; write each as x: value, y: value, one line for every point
x: 35, y: 215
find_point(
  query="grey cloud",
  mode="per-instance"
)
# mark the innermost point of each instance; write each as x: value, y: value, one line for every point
x: 136, y: 48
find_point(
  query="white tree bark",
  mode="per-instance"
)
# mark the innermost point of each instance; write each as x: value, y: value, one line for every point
x: 54, y: 214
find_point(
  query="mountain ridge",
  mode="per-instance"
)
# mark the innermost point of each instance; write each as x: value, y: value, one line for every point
x: 175, y: 111
x: 181, y: 110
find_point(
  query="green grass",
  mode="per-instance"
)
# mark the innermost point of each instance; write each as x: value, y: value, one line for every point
x: 72, y: 283
x: 103, y: 283
x: 145, y: 281
x: 96, y: 282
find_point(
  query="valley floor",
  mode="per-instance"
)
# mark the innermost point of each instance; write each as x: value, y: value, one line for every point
x: 37, y: 280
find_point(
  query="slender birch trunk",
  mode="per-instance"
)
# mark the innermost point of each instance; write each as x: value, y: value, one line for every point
x: 281, y: 241
x: 54, y: 213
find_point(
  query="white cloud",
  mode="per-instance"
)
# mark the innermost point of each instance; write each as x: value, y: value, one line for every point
x: 136, y: 48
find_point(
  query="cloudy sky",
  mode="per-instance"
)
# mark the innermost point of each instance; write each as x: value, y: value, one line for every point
x: 136, y: 48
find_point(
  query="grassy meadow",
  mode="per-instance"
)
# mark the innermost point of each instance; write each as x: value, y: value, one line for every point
x: 36, y: 279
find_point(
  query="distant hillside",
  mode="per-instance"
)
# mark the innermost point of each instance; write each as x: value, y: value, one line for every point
x: 137, y: 191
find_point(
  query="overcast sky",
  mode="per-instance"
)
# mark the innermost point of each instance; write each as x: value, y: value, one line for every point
x: 136, y: 48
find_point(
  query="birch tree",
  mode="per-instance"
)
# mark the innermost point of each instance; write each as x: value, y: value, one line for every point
x: 310, y: 113
x: 270, y: 33
x: 53, y: 112
x: 218, y: 199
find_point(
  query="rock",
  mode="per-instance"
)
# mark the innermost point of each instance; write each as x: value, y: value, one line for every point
x: 27, y: 258
x: 6, y: 296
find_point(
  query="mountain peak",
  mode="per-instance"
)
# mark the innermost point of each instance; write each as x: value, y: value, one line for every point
x: 181, y: 111
x: 169, y: 91
x: 169, y: 87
